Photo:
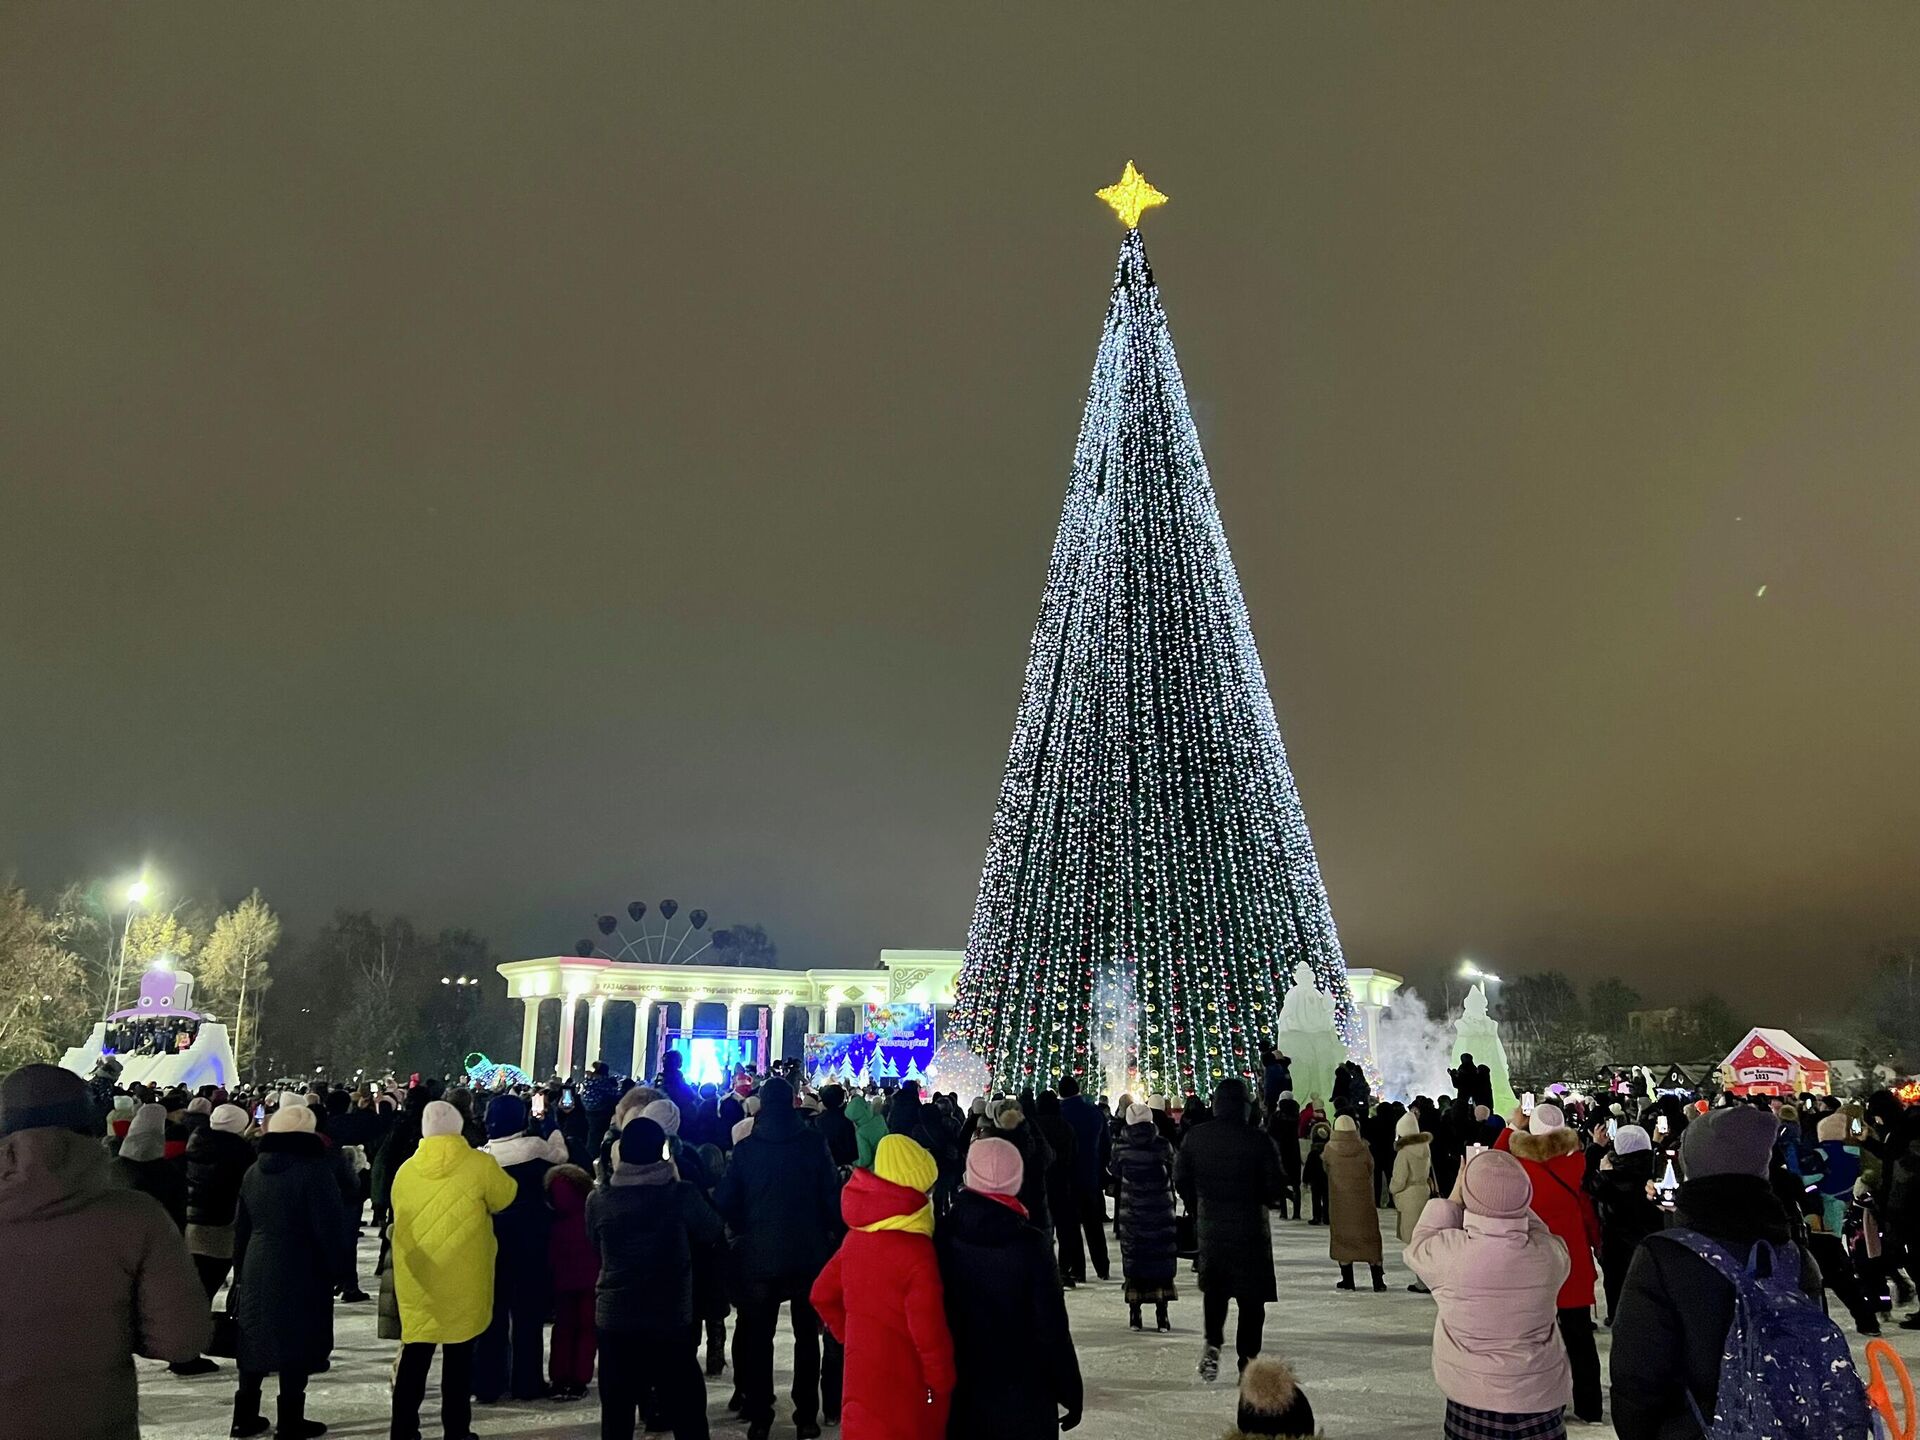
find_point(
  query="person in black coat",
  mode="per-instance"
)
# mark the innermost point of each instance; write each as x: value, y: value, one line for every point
x: 780, y: 1198
x: 835, y: 1128
x: 292, y: 1245
x: 1000, y: 1284
x: 924, y: 1125
x: 1675, y: 1309
x: 1052, y: 1126
x: 144, y: 1163
x: 1228, y: 1172
x: 1036, y: 1155
x: 509, y: 1354
x: 646, y: 1225
x: 217, y: 1160
x: 1143, y: 1218
x: 1092, y: 1150
x: 1627, y: 1214
x: 1283, y: 1127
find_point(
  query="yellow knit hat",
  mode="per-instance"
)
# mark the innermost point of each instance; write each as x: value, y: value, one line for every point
x: 905, y: 1162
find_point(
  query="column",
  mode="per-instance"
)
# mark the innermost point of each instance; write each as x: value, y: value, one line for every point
x: 777, y: 1042
x: 638, y: 1069
x: 564, y: 1067
x: 832, y: 1027
x: 529, y: 1033
x: 596, y: 1012
x: 733, y: 1029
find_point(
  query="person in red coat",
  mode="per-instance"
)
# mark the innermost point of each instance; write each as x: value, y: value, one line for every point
x: 1557, y: 1164
x: 880, y: 1297
x: 575, y: 1263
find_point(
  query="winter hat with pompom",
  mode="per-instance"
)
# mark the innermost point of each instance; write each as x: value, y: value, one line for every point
x: 1495, y: 1186
x: 1546, y: 1117
x: 1631, y: 1140
x: 440, y: 1118
x: 994, y: 1167
x: 1270, y: 1400
x: 230, y: 1120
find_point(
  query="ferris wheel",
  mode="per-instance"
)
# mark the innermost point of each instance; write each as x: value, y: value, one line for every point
x: 661, y: 943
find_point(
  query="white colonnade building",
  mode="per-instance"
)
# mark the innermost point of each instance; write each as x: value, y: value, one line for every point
x: 669, y: 999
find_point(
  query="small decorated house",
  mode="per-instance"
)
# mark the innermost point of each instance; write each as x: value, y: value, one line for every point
x: 1772, y: 1062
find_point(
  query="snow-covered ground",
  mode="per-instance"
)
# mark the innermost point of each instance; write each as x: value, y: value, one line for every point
x: 1364, y: 1360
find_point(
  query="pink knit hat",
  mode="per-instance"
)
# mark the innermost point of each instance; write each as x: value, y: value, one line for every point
x: 994, y: 1167
x: 1495, y: 1186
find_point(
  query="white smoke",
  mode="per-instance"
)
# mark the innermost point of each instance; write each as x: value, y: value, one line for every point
x: 1412, y: 1052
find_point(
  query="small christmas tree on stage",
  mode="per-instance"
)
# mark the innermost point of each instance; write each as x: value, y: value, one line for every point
x: 1150, y: 884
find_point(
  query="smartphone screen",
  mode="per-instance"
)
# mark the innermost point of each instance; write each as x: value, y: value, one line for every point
x: 1526, y: 1101
x: 566, y: 1096
x: 259, y: 1114
x: 539, y: 1106
x: 1660, y: 1125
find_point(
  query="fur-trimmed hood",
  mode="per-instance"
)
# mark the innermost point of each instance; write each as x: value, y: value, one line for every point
x: 519, y: 1149
x: 1542, y: 1148
x: 1419, y: 1137
x: 1270, y: 1386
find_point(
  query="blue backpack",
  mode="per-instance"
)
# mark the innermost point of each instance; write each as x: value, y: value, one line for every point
x: 1785, y: 1372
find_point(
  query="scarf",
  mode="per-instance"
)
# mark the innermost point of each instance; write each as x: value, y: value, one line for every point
x: 1012, y: 1202
x: 920, y: 1222
x: 658, y: 1172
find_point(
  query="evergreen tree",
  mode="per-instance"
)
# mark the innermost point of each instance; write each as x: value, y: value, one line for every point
x: 1150, y: 884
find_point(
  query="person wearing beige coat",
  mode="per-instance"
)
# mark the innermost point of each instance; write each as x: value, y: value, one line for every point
x: 1354, y: 1231
x: 1412, y: 1182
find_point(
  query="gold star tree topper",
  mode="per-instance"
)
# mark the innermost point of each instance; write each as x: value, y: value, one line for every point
x: 1131, y: 197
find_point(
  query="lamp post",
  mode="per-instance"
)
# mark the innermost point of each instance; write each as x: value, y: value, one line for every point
x: 136, y: 892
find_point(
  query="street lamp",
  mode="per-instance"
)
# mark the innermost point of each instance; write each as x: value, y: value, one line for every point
x: 137, y: 891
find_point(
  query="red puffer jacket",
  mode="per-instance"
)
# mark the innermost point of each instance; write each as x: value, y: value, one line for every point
x: 880, y: 1296
x: 1558, y: 1170
x: 573, y: 1258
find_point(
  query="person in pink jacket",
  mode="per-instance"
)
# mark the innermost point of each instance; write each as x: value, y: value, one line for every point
x: 1495, y: 1271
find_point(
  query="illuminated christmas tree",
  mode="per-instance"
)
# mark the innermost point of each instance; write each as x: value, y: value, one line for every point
x: 1150, y: 884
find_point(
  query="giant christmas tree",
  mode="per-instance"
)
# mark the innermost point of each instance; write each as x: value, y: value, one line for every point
x: 1150, y: 884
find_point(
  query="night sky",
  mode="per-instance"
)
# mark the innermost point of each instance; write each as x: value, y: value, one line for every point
x: 495, y: 463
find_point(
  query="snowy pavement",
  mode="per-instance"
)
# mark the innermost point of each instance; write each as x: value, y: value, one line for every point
x: 1364, y: 1360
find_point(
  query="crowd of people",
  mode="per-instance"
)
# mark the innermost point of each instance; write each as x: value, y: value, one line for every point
x: 642, y: 1240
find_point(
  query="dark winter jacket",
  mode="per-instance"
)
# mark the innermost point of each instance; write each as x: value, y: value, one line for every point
x: 780, y: 1198
x: 1143, y: 1212
x: 837, y: 1130
x: 1227, y: 1172
x: 216, y: 1164
x: 1627, y: 1216
x: 1675, y: 1309
x: 1284, y: 1126
x: 1092, y: 1143
x: 1052, y: 1125
x: 95, y: 1275
x: 522, y: 1230
x: 164, y: 1179
x: 645, y: 1226
x: 292, y: 1244
x: 1000, y: 1282
x: 1036, y: 1158
x: 1903, y: 1194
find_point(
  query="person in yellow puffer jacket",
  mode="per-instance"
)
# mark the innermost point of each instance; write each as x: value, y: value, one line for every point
x: 444, y: 1199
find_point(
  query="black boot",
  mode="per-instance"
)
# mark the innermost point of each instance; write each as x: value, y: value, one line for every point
x: 290, y: 1415
x: 716, y: 1347
x: 247, y: 1419
x: 1160, y: 1321
x: 1346, y: 1278
x: 1379, y: 1279
x: 1133, y: 1318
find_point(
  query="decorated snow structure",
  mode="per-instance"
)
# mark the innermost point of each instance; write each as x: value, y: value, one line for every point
x: 1772, y: 1062
x: 160, y: 1039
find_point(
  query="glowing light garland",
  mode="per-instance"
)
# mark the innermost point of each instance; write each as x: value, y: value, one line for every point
x: 1149, y: 847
